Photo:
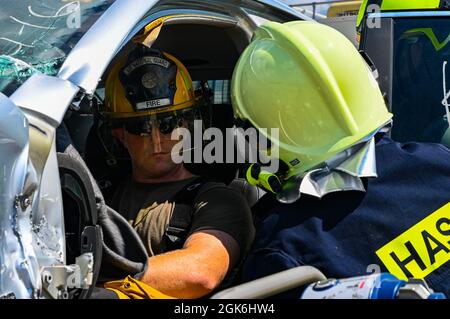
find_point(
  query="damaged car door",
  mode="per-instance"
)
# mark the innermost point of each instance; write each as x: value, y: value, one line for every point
x: 44, y: 253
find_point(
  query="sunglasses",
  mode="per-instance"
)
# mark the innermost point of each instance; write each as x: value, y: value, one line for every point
x: 165, y: 123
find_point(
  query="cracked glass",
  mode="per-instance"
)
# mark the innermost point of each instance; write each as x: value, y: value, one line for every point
x: 38, y: 35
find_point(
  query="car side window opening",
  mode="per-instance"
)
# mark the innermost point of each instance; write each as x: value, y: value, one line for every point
x: 208, y: 62
x: 220, y: 90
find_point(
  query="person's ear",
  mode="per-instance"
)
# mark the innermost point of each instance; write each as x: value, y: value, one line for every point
x: 119, y: 133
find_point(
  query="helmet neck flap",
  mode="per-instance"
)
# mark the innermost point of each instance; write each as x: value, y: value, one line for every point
x: 343, y: 172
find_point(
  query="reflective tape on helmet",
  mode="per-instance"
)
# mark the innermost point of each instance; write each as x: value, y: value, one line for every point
x: 257, y: 177
x: 421, y: 249
x: 152, y: 104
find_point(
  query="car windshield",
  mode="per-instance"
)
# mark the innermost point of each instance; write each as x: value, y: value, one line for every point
x: 37, y: 35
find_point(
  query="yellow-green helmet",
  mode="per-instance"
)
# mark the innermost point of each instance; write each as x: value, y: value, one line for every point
x: 309, y: 81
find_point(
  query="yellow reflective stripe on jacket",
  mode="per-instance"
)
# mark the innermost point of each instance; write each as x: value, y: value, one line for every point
x: 400, y: 5
x: 361, y: 13
x: 131, y: 288
x: 421, y: 249
x: 410, y: 4
x: 438, y: 45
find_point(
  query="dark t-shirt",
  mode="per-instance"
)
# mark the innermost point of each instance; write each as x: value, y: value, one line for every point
x: 149, y: 208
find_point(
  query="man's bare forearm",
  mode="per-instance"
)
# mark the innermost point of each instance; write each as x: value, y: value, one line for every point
x: 193, y: 271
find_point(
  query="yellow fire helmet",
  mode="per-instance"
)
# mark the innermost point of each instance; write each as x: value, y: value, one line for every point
x: 307, y: 80
x: 147, y: 82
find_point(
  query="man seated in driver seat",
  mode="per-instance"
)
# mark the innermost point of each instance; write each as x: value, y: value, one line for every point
x: 195, y: 232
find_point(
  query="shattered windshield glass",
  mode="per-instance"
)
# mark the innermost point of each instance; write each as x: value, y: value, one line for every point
x: 37, y: 35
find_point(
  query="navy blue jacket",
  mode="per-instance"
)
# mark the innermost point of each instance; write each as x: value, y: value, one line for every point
x: 400, y: 225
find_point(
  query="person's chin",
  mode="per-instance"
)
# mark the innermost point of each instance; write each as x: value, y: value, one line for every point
x: 159, y: 168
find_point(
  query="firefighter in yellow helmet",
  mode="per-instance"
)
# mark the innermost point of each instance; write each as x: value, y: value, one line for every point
x: 150, y: 89
x: 191, y: 232
x: 349, y: 198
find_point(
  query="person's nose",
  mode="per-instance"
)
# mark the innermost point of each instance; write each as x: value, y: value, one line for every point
x: 156, y: 140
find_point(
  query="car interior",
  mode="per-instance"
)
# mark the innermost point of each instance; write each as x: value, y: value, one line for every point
x: 209, y: 49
